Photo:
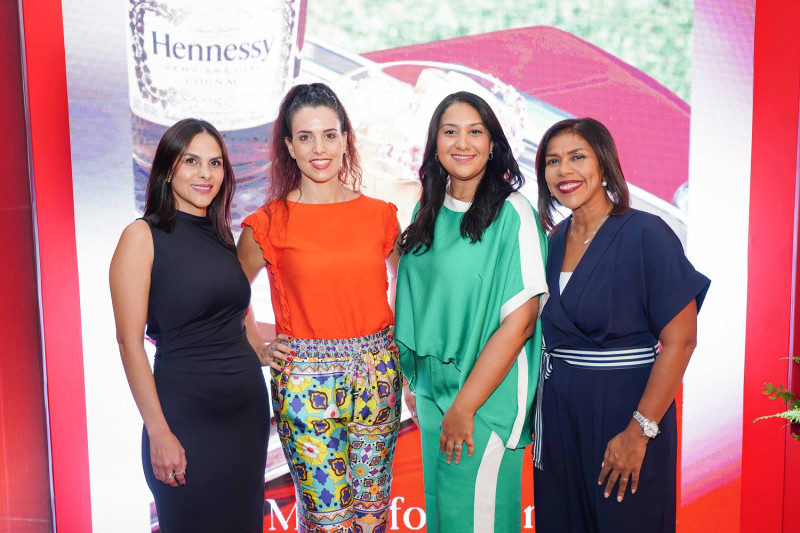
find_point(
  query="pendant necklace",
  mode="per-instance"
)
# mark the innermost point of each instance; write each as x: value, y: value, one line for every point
x: 592, y: 234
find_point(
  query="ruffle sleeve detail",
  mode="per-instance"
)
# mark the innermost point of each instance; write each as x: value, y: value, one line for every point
x: 392, y: 229
x: 260, y: 222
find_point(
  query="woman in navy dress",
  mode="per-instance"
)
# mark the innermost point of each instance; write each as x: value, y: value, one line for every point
x: 204, y: 405
x: 619, y: 329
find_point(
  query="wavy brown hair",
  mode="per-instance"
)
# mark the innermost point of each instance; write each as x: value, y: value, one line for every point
x: 599, y: 138
x: 285, y: 174
x: 160, y: 209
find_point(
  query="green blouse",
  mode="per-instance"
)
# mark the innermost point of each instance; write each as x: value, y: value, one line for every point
x: 453, y: 297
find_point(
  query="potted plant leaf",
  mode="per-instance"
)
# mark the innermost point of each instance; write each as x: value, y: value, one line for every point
x: 790, y: 401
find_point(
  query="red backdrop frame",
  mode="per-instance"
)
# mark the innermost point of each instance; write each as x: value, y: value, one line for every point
x: 769, y: 463
x: 24, y: 464
x: 770, y: 469
x: 51, y: 167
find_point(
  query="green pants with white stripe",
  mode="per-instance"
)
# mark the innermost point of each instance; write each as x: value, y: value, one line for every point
x: 482, y: 493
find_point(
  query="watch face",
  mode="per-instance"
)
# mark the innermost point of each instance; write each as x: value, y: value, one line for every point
x: 649, y: 428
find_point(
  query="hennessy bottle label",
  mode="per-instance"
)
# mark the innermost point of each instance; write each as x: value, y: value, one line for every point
x: 192, y: 58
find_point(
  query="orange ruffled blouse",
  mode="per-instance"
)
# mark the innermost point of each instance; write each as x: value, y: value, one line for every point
x: 327, y: 265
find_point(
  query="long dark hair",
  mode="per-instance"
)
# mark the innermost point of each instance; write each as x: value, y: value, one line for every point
x: 160, y: 209
x: 285, y: 174
x: 599, y: 138
x: 501, y: 178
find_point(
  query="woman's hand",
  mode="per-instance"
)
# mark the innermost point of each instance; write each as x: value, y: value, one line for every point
x: 276, y: 354
x: 625, y: 452
x: 494, y: 362
x: 623, y: 460
x: 168, y: 459
x: 411, y: 402
x: 395, y: 350
x: 457, y: 427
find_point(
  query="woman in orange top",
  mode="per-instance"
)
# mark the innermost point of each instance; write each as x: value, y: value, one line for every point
x: 335, y: 373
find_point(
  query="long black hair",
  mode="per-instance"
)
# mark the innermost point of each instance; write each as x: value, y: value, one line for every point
x: 501, y: 177
x: 601, y: 141
x: 160, y: 209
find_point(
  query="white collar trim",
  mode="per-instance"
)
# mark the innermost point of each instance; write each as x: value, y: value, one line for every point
x: 455, y: 205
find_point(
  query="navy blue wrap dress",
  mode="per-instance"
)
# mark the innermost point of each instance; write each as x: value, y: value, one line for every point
x: 601, y: 338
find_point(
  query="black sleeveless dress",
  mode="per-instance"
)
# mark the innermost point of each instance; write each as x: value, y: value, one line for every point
x: 209, y: 383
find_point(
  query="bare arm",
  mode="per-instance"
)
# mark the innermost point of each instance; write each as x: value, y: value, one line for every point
x: 129, y: 277
x: 625, y: 452
x: 252, y: 260
x: 493, y: 364
x: 392, y: 263
x: 253, y: 334
x: 391, y: 266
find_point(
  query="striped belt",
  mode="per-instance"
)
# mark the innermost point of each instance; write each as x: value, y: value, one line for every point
x: 595, y: 359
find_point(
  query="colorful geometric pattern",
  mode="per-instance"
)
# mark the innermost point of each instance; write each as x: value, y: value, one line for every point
x: 338, y: 408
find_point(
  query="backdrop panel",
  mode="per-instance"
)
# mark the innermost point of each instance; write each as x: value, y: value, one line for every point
x: 24, y: 461
x: 550, y: 74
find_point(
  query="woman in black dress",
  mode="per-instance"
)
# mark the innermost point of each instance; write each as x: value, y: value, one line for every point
x: 204, y: 405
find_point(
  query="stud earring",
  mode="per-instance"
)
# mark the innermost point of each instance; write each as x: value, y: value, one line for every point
x: 169, y: 179
x: 604, y: 183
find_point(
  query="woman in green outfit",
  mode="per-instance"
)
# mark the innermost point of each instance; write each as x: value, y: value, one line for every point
x: 470, y: 287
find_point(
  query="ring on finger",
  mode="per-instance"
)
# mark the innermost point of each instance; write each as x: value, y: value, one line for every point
x: 457, y: 446
x: 170, y: 476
